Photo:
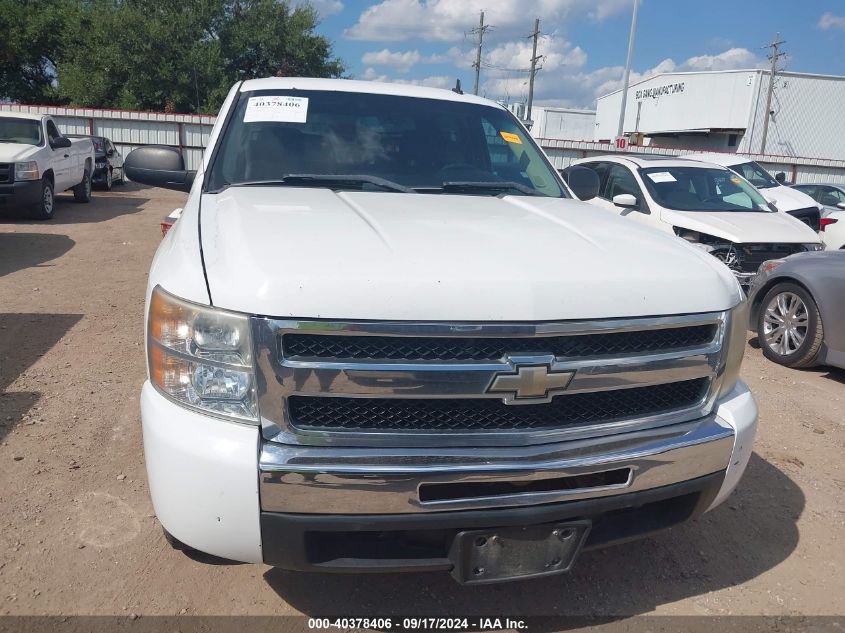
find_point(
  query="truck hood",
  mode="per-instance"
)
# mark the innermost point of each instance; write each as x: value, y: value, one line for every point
x: 314, y: 253
x: 743, y: 228
x: 12, y: 152
x: 787, y: 198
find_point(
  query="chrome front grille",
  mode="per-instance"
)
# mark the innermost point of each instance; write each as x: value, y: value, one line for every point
x: 419, y: 348
x: 453, y: 414
x: 433, y: 384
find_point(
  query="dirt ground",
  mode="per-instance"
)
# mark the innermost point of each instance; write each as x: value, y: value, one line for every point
x: 79, y: 535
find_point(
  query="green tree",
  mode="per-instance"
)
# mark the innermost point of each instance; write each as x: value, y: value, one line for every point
x: 155, y: 54
x: 31, y: 46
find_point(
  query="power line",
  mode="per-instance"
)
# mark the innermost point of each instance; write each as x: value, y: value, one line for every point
x: 533, y: 71
x: 773, y: 56
x: 477, y: 65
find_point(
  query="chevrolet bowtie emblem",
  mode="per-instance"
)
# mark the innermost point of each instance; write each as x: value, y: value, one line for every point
x: 530, y: 384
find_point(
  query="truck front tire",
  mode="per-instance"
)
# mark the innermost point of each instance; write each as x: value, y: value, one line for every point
x: 175, y: 543
x: 82, y: 191
x: 46, y: 205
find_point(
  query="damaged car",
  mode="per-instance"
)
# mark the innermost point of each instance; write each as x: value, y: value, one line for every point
x: 709, y: 206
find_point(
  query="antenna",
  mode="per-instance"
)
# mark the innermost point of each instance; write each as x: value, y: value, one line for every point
x: 457, y: 87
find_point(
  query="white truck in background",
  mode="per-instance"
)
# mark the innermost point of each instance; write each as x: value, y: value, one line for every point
x: 36, y: 161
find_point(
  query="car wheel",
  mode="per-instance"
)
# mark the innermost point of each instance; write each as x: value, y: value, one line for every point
x: 46, y: 205
x: 82, y: 191
x: 789, y: 326
x: 109, y: 181
x: 175, y: 543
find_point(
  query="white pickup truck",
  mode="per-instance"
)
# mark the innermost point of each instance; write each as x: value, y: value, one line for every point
x: 384, y: 335
x: 36, y: 161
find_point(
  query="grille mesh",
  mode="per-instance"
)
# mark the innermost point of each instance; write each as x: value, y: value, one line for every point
x: 415, y: 349
x: 411, y: 415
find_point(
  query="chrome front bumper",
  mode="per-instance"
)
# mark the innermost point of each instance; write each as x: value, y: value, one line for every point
x: 350, y: 481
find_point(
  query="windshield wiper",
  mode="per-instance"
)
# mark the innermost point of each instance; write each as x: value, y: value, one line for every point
x: 491, y: 186
x: 326, y: 180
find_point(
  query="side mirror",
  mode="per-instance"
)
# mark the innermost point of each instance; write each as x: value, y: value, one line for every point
x: 62, y: 142
x: 583, y: 181
x: 626, y: 200
x: 110, y: 153
x: 840, y: 205
x: 780, y: 177
x: 159, y: 166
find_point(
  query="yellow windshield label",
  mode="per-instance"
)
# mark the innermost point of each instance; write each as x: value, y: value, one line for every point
x: 511, y: 138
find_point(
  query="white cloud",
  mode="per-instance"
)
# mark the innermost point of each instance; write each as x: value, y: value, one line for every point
x: 435, y: 81
x: 569, y: 85
x: 731, y: 59
x: 830, y: 21
x: 403, y: 61
x: 449, y: 20
x: 325, y: 7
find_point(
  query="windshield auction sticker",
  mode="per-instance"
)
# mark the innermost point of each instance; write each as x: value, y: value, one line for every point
x: 661, y: 176
x: 511, y: 138
x: 276, y: 108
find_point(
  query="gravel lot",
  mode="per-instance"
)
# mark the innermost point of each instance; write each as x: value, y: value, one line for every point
x: 79, y: 535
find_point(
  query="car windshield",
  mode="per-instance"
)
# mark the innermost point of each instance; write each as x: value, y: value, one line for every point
x: 702, y: 189
x: 372, y: 142
x: 756, y: 175
x: 25, y: 131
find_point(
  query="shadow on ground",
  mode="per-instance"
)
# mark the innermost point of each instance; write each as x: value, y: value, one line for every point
x: 103, y: 206
x: 24, y: 338
x: 748, y: 535
x: 25, y: 250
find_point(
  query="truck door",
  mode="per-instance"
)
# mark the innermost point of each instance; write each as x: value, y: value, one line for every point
x: 61, y: 159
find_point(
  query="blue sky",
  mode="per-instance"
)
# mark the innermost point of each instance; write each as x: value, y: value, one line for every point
x: 584, y: 41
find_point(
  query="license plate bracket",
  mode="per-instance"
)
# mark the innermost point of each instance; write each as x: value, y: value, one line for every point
x: 500, y: 554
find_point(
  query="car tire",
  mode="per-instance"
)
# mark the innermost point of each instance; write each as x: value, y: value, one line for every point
x: 46, y: 206
x: 789, y: 326
x: 82, y: 191
x: 109, y: 181
x: 175, y: 543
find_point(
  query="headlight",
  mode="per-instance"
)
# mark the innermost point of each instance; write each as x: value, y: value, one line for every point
x: 27, y: 171
x: 769, y: 264
x: 201, y: 357
x: 813, y: 246
x: 733, y: 347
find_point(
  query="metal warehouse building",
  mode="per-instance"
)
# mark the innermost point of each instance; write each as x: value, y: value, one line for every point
x: 724, y: 111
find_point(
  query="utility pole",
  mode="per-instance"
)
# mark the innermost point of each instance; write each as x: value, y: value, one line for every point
x: 773, y: 56
x: 620, y: 128
x: 477, y: 65
x: 533, y: 71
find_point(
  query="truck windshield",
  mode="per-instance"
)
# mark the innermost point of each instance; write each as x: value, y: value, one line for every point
x: 756, y: 175
x: 702, y: 189
x: 25, y: 131
x: 373, y: 142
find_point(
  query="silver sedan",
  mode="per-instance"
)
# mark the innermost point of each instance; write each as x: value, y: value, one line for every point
x: 798, y: 309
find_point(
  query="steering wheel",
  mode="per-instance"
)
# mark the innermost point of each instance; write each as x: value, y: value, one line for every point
x: 466, y: 167
x: 711, y: 198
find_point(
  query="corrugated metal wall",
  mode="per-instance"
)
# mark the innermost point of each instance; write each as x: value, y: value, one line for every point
x: 128, y: 129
